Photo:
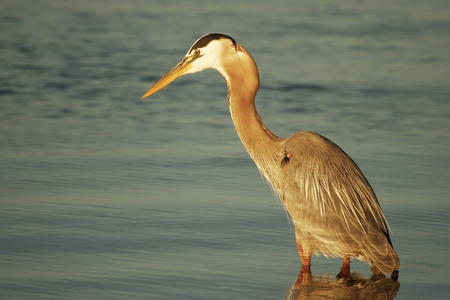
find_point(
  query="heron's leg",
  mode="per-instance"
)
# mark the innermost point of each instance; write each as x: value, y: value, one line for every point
x: 304, y: 275
x: 304, y: 256
x: 345, y: 269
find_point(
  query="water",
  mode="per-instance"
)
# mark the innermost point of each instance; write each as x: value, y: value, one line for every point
x: 104, y: 196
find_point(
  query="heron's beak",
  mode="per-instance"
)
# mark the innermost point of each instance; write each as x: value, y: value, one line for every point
x: 181, y: 68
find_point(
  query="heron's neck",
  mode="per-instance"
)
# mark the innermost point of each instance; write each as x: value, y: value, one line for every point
x: 252, y: 131
x: 260, y: 142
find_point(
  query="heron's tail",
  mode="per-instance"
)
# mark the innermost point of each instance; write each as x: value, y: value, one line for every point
x: 383, y: 258
x: 378, y: 251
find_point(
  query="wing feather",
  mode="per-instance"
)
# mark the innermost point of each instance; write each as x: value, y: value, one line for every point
x: 331, y: 203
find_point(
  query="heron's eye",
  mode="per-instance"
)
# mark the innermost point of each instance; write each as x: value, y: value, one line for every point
x: 197, y: 52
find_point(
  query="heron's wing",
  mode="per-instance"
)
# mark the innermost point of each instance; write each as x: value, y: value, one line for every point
x: 327, y: 195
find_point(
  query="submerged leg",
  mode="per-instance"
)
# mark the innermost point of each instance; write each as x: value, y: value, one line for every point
x: 345, y: 269
x: 304, y: 275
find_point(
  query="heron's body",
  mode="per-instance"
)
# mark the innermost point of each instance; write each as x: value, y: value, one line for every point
x: 331, y: 203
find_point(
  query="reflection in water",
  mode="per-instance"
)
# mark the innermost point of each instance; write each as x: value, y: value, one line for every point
x: 353, y: 287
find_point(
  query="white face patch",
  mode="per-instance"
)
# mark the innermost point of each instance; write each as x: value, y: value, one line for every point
x: 209, y: 56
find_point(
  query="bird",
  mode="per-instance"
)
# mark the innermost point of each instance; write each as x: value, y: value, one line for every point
x: 330, y: 202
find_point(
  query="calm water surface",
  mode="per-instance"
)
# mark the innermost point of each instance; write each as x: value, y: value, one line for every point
x: 104, y: 196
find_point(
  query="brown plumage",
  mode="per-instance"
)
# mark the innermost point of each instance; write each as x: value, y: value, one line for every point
x: 331, y: 203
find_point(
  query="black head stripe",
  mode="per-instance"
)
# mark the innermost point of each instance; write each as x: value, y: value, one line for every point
x: 206, y: 39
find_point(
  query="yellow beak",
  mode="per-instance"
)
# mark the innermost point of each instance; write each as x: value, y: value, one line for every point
x: 181, y: 68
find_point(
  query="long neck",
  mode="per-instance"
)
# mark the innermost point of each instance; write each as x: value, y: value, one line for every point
x: 260, y: 142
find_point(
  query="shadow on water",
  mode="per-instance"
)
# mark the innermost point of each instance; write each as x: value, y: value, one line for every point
x: 353, y: 287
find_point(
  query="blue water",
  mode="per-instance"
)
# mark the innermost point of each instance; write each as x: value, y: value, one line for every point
x: 105, y: 196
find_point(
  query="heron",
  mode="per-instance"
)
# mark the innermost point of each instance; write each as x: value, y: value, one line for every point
x: 330, y: 202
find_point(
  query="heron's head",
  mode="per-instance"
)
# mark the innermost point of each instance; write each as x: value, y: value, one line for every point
x: 213, y: 50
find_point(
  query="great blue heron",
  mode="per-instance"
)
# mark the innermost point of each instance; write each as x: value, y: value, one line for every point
x: 332, y: 205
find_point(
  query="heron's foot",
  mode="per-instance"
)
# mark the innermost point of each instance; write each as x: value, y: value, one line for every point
x: 304, y: 275
x: 344, y: 273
